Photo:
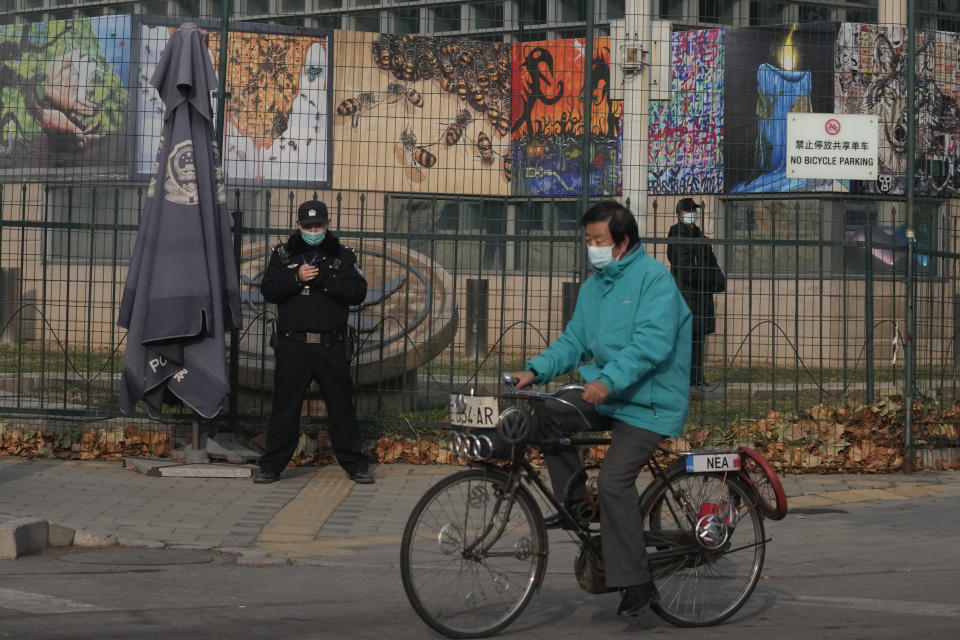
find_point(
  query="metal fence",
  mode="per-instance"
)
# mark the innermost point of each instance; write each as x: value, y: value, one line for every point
x: 455, y: 165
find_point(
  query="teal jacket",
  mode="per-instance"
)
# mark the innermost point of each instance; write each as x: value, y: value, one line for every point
x: 632, y: 329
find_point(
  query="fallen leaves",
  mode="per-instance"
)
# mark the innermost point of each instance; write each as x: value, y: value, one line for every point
x: 86, y: 444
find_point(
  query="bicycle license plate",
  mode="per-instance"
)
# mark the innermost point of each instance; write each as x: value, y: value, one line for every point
x: 473, y: 411
x: 713, y: 462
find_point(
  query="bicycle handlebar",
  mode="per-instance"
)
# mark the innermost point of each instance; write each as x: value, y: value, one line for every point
x: 510, y: 382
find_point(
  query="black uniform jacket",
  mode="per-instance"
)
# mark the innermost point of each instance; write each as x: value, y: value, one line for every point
x: 339, y: 285
x: 689, y: 264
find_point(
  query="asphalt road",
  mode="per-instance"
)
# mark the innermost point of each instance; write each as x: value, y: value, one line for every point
x: 869, y: 570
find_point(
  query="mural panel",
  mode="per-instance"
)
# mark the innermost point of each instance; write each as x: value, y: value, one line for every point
x: 63, y: 95
x: 686, y: 132
x: 422, y: 114
x: 547, y: 119
x: 871, y: 78
x: 772, y: 72
x: 277, y: 130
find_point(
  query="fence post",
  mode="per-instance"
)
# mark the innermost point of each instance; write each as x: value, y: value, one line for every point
x: 227, y: 6
x: 868, y: 307
x: 586, y: 152
x: 478, y: 311
x: 234, y: 407
x: 909, y: 352
x: 570, y: 291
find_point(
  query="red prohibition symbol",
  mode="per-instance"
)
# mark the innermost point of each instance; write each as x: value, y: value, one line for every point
x: 832, y: 126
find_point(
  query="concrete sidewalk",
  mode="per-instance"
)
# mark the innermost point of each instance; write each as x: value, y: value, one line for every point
x: 313, y: 515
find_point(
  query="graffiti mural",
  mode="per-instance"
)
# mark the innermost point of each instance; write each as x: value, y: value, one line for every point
x: 63, y: 94
x: 547, y: 119
x: 686, y: 131
x: 276, y: 130
x: 432, y: 113
x: 770, y: 73
x: 871, y: 78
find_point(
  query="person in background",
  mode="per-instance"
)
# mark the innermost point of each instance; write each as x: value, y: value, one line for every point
x: 694, y: 266
x: 313, y: 280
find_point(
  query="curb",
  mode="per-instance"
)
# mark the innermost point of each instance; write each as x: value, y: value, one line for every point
x: 25, y: 536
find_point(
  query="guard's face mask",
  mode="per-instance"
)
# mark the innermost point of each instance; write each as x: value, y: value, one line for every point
x: 600, y: 256
x: 691, y: 217
x: 313, y: 238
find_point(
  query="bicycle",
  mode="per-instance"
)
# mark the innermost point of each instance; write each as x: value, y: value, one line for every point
x: 475, y: 546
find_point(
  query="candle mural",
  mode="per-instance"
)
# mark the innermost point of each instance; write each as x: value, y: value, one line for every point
x: 790, y: 78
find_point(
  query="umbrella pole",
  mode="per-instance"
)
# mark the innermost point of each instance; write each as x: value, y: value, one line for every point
x: 194, y: 454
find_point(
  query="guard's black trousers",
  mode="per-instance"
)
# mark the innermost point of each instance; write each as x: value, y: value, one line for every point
x: 299, y: 363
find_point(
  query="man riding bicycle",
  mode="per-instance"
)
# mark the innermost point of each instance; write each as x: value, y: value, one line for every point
x: 633, y: 330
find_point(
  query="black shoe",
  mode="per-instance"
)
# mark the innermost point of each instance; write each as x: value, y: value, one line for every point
x: 265, y: 477
x: 363, y: 476
x: 636, y: 598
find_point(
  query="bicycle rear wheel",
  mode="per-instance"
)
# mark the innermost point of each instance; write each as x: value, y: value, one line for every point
x: 706, y: 543
x: 471, y: 558
x: 773, y: 499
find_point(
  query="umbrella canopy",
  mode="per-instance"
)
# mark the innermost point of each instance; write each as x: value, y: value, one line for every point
x: 182, y: 292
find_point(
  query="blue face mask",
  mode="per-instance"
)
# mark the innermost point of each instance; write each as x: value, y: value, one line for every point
x: 313, y: 239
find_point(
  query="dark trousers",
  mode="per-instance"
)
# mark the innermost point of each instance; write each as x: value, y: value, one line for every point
x: 621, y: 522
x: 697, y: 349
x: 299, y: 363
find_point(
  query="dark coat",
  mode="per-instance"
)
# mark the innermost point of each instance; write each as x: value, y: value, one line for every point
x: 339, y: 285
x: 690, y: 264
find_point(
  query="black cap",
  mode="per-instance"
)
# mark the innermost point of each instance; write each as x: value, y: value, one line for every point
x: 312, y: 212
x: 687, y: 204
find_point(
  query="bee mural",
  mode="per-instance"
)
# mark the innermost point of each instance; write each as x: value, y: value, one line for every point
x: 447, y: 68
x: 455, y: 131
x: 413, y: 97
x: 424, y: 158
x: 356, y: 106
x: 485, y: 147
x: 395, y: 91
x: 430, y: 57
x: 477, y: 73
x: 408, y: 141
x: 477, y: 100
x: 500, y: 122
x: 449, y: 85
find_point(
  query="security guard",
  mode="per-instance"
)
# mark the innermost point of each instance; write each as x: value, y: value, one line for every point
x: 313, y: 280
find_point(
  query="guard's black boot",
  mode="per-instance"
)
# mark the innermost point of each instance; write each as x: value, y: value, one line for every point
x: 361, y: 476
x: 265, y: 477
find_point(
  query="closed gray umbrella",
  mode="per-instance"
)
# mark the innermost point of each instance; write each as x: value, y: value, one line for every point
x: 182, y: 292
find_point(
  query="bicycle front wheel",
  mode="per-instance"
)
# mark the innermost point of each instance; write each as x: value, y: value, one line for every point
x: 472, y: 556
x: 705, y: 541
